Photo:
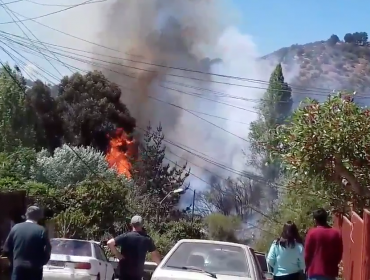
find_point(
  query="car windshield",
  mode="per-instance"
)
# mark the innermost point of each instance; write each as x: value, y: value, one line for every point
x: 211, y: 257
x: 71, y: 247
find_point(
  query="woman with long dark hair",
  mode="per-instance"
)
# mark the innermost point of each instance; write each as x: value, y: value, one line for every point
x: 286, y: 255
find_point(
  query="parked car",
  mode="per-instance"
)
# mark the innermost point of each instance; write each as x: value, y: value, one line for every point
x: 192, y: 259
x: 77, y: 259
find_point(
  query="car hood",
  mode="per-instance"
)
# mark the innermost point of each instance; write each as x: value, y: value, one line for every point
x: 190, y: 275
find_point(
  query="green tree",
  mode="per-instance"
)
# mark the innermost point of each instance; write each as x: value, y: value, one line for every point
x: 275, y: 107
x: 165, y: 235
x: 349, y: 38
x: 221, y: 227
x: 46, y: 121
x: 91, y: 208
x: 90, y: 106
x: 154, y: 178
x: 15, y: 126
x: 18, y: 164
x: 333, y: 40
x: 328, y: 143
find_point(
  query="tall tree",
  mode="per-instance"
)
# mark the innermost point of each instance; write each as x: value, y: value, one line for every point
x: 274, y: 108
x: 15, y: 127
x: 47, y: 123
x: 90, y: 106
x: 154, y: 178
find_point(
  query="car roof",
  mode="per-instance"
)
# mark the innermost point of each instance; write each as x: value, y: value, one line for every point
x: 212, y: 242
x: 70, y: 239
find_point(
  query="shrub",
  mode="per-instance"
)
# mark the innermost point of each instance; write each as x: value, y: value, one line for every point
x: 66, y: 168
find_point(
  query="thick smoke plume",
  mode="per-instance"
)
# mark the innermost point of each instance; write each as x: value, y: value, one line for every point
x: 209, y: 116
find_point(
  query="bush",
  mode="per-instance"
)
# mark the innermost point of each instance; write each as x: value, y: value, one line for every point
x: 66, y: 168
x: 221, y: 227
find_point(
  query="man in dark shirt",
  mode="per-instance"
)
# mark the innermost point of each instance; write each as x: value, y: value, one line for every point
x: 28, y: 247
x: 134, y: 247
x: 323, y: 249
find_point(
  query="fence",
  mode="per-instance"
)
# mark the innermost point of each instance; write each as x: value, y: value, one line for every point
x: 356, y: 245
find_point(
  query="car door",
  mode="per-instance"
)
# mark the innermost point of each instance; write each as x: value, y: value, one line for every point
x: 109, y: 272
x: 257, y: 267
x: 102, y: 263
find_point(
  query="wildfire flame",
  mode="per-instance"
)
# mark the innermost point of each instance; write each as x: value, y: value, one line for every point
x: 120, y: 150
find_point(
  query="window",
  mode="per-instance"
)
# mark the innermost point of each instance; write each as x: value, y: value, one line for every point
x: 100, y: 255
x: 216, y: 258
x: 261, y: 258
x: 257, y: 263
x: 71, y: 247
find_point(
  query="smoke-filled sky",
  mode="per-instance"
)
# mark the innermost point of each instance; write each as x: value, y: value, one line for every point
x: 188, y: 34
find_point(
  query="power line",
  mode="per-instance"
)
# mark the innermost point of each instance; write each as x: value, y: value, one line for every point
x: 8, y: 11
x: 323, y: 90
x: 58, y: 5
x: 49, y: 14
x: 7, y: 3
x: 186, y: 77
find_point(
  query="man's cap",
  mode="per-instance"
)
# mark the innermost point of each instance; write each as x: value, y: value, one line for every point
x: 137, y: 220
x: 34, y: 213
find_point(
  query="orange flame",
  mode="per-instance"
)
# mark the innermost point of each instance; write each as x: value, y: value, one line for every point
x: 120, y: 150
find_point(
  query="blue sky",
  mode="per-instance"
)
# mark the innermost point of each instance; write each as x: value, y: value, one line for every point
x: 275, y: 24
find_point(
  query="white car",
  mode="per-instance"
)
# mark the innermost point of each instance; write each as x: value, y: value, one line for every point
x: 77, y: 259
x: 192, y: 259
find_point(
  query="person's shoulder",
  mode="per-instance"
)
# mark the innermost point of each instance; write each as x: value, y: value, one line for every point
x: 275, y: 243
x: 299, y: 246
x: 26, y: 227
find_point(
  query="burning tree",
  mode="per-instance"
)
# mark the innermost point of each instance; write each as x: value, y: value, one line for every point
x: 87, y: 107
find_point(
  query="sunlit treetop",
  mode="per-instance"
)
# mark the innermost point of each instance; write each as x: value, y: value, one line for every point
x: 330, y: 140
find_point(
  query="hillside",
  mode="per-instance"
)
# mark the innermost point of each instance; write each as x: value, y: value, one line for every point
x: 331, y: 64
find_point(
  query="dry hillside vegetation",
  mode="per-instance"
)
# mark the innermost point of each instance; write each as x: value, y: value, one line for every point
x: 340, y: 66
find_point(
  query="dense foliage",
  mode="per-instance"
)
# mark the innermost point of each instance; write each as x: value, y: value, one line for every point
x: 330, y: 142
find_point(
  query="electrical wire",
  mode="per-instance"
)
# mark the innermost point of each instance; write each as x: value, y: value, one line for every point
x: 7, y: 3
x: 307, y: 90
x: 49, y: 14
x: 8, y: 11
x: 59, y: 5
x: 314, y: 89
